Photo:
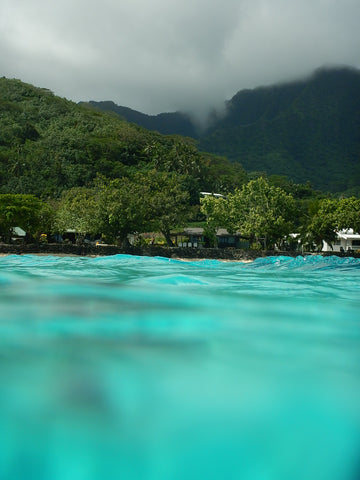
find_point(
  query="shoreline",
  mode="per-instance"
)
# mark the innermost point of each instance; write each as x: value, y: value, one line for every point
x: 179, y: 253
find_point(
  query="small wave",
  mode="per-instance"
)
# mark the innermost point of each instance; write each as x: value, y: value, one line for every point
x: 174, y: 279
x: 308, y: 262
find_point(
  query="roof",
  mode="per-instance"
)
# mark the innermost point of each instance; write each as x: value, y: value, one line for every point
x: 19, y: 231
x: 194, y: 231
x: 220, y: 232
x: 209, y: 194
x: 348, y: 234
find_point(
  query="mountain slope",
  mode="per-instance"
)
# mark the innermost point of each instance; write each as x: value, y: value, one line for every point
x: 308, y: 130
x: 174, y: 123
x: 49, y: 144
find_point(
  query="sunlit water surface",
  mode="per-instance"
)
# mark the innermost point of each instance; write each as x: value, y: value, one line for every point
x: 138, y: 368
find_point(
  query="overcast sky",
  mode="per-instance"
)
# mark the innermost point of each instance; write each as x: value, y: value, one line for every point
x: 167, y: 55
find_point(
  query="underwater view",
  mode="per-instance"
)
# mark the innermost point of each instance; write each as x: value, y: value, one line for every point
x: 142, y: 368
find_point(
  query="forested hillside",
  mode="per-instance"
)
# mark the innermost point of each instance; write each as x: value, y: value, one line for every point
x: 308, y: 130
x: 67, y: 167
x: 49, y: 144
x: 166, y: 123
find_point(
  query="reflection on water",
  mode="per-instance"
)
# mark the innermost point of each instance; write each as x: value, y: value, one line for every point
x: 149, y: 368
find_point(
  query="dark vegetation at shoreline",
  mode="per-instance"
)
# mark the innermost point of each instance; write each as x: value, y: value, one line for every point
x: 156, y: 251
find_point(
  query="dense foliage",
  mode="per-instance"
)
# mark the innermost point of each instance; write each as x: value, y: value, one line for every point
x: 65, y: 167
x: 25, y: 211
x: 110, y: 209
x: 260, y: 211
x: 177, y: 123
x: 331, y: 215
x: 308, y: 130
x: 156, y: 201
x: 49, y: 144
x: 113, y: 209
x: 268, y: 215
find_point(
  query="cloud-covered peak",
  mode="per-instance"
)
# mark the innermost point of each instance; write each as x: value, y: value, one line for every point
x: 165, y: 55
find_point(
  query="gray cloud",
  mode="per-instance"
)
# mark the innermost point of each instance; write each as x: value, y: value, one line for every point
x: 167, y: 55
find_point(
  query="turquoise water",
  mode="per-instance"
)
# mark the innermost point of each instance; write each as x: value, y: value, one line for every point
x: 148, y: 368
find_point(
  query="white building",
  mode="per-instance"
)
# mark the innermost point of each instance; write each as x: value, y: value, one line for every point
x: 209, y: 194
x: 345, y: 240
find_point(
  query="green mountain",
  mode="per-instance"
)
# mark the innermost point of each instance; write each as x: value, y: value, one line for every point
x: 49, y: 144
x: 166, y: 123
x: 308, y: 130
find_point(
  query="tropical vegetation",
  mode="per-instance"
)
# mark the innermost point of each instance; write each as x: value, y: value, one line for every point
x: 67, y: 167
x: 307, y: 130
x: 267, y: 215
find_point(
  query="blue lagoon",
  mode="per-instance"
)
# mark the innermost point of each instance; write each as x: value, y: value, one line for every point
x: 145, y: 368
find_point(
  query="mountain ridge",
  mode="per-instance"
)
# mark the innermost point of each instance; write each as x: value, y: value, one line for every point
x: 308, y: 129
x: 167, y: 123
x: 49, y: 145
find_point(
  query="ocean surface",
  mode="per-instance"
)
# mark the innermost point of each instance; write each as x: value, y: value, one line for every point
x: 142, y: 368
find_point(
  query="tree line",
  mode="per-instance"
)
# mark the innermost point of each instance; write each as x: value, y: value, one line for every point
x: 111, y: 208
x: 267, y: 215
x: 264, y: 213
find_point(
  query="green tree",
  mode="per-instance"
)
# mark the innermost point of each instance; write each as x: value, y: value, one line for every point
x: 122, y: 207
x: 348, y: 214
x: 25, y: 211
x: 217, y: 215
x: 262, y: 212
x: 166, y: 201
x: 220, y: 175
x: 322, y: 224
x: 182, y: 157
x: 331, y: 216
x: 258, y: 210
x: 78, y: 210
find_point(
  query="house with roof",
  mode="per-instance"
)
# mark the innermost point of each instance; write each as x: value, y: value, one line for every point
x: 195, y: 237
x: 346, y: 240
